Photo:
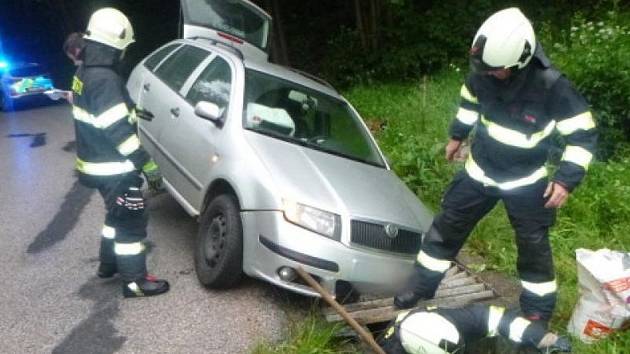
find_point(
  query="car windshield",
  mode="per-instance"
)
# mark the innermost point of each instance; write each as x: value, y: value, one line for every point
x: 303, y: 116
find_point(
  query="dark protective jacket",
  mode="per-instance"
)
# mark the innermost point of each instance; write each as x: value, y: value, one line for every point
x: 514, y: 121
x: 107, y: 142
x: 431, y: 330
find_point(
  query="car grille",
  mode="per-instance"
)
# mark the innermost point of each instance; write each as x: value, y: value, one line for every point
x: 373, y: 235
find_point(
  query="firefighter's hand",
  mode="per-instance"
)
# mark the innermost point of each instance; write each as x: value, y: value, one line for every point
x: 452, y: 148
x: 154, y: 178
x: 557, y: 194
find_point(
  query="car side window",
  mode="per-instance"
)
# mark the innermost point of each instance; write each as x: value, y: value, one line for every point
x: 178, y: 67
x: 158, y: 56
x: 213, y: 84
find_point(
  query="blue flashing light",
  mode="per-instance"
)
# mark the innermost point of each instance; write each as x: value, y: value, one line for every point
x: 4, y: 64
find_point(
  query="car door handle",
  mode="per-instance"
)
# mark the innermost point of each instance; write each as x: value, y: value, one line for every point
x: 175, y: 112
x: 147, y: 87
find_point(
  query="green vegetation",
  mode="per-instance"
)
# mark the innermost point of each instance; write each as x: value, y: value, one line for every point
x: 309, y: 335
x: 596, y: 56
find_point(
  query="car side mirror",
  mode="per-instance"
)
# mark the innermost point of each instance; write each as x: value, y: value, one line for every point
x: 210, y: 111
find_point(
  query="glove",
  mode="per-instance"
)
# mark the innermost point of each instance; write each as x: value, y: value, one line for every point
x: 130, y: 203
x: 152, y: 173
x: 552, y: 343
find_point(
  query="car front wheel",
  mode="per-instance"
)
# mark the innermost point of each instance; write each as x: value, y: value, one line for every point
x: 219, y: 248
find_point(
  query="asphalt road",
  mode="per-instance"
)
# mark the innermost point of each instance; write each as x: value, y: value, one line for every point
x: 50, y: 298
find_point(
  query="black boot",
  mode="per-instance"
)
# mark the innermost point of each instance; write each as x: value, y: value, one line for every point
x: 136, y: 282
x: 147, y: 286
x: 407, y: 299
x: 107, y: 268
x: 422, y: 286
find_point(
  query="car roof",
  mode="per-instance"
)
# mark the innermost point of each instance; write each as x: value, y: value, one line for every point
x: 286, y: 73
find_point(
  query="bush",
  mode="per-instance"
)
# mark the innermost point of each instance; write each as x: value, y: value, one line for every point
x: 595, y: 55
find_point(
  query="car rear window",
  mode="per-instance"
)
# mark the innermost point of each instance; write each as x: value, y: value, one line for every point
x: 158, y: 56
x: 178, y: 67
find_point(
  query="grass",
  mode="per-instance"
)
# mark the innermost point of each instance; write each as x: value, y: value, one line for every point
x: 309, y: 335
x: 414, y: 120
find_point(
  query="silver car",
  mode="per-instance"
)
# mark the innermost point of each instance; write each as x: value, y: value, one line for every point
x: 277, y: 166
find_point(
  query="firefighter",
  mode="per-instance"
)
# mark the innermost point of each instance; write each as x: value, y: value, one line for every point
x: 109, y: 155
x: 514, y: 99
x: 443, y: 331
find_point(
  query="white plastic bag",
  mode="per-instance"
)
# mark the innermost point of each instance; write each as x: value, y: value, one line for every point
x: 604, y: 305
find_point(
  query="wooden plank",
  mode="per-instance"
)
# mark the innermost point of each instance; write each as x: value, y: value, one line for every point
x: 440, y: 293
x: 453, y: 277
x: 386, y: 313
x: 452, y: 271
x: 459, y: 282
x: 382, y: 314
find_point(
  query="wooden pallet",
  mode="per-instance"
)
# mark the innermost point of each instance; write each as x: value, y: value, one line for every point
x: 458, y: 288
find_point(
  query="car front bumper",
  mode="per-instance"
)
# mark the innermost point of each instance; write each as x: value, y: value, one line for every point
x: 271, y: 242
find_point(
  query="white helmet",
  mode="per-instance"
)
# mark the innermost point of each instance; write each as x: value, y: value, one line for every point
x: 505, y: 40
x: 110, y: 27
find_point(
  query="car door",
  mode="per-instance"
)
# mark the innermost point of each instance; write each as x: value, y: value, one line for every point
x: 237, y: 23
x: 193, y: 140
x: 162, y: 97
x: 140, y: 85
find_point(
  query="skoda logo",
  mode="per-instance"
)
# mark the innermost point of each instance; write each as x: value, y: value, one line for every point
x: 391, y: 230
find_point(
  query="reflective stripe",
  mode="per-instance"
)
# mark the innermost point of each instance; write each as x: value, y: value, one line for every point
x: 128, y: 249
x: 540, y: 289
x: 494, y: 318
x: 422, y: 332
x: 467, y: 95
x: 582, y: 121
x: 104, y: 168
x: 475, y: 172
x: 130, y: 145
x: 113, y: 115
x: 578, y: 155
x: 434, y: 264
x: 517, y: 328
x: 133, y: 286
x: 133, y: 117
x: 467, y: 116
x: 515, y: 138
x: 105, y: 119
x: 108, y: 232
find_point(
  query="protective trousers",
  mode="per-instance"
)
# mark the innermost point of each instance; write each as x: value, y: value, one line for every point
x: 465, y: 202
x: 125, y: 226
x: 433, y: 331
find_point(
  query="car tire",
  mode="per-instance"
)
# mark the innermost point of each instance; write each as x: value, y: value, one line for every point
x: 219, y: 246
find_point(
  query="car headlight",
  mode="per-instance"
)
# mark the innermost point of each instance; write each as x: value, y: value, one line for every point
x: 313, y: 219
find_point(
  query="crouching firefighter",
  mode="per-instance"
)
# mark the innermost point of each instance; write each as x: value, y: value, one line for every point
x: 443, y: 331
x: 109, y: 155
x: 514, y: 100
